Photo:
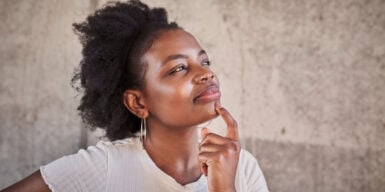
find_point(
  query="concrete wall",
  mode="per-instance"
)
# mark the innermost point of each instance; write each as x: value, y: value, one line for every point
x: 38, y: 51
x: 304, y: 78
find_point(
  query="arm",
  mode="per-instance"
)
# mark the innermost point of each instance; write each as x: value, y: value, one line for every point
x: 32, y: 183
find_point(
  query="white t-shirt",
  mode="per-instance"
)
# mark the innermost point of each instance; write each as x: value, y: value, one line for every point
x: 124, y: 165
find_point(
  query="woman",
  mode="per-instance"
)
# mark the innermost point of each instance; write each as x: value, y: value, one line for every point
x: 148, y: 83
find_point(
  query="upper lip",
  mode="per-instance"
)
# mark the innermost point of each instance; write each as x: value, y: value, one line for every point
x: 212, y: 86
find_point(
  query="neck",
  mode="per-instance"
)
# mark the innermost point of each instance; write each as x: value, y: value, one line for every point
x: 175, y: 151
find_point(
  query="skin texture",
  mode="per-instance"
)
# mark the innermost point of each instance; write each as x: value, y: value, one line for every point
x: 32, y: 183
x: 219, y: 155
x: 169, y: 104
x: 177, y: 73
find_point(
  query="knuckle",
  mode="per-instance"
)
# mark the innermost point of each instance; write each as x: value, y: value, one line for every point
x: 208, y: 136
x: 237, y: 147
x: 222, y: 156
x: 202, y: 155
x: 233, y: 147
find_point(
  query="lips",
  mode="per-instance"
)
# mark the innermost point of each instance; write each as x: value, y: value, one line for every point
x: 209, y: 94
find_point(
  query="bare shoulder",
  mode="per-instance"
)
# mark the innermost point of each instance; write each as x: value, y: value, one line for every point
x: 32, y: 183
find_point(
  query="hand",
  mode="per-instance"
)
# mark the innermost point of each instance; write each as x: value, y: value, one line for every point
x: 219, y: 155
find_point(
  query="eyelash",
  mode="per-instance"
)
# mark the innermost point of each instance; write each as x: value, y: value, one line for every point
x: 184, y: 67
x: 208, y: 62
x: 179, y: 68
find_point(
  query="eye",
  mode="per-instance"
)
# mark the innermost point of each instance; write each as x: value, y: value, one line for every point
x: 206, y: 62
x: 178, y: 69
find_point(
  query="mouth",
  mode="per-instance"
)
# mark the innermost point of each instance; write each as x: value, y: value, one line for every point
x: 211, y: 93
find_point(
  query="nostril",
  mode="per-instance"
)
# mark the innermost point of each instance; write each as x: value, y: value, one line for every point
x: 206, y: 77
x: 209, y: 76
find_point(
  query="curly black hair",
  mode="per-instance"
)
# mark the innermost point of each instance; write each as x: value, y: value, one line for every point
x: 114, y: 39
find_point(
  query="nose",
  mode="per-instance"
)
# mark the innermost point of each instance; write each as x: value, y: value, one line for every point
x: 204, y: 76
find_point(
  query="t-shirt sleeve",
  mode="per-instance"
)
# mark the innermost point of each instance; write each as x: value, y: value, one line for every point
x: 84, y: 171
x: 253, y: 176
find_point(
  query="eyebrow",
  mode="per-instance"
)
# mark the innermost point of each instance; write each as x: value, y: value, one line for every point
x: 180, y: 56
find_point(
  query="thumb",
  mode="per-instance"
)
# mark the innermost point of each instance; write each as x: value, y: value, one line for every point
x: 204, y: 132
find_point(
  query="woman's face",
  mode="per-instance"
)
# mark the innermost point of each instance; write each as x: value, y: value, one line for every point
x: 180, y: 89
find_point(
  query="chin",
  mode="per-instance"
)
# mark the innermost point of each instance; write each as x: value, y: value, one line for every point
x: 208, y: 113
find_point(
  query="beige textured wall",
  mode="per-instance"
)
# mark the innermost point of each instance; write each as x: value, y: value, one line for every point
x: 38, y: 51
x: 304, y: 78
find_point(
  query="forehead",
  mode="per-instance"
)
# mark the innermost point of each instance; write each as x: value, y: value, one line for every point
x: 173, y: 42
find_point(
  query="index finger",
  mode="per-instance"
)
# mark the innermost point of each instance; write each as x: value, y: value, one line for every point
x: 232, y: 125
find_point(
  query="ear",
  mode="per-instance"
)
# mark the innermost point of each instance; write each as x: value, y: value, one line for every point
x: 135, y: 103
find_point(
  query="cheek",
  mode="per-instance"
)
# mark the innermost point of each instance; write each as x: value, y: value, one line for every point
x: 170, y: 100
x: 175, y: 107
x: 178, y: 93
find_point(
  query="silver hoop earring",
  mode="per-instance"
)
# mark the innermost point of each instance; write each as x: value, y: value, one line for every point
x: 143, y: 131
